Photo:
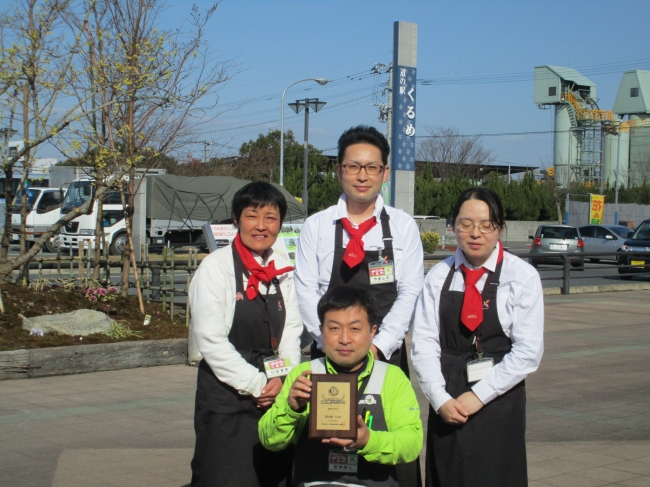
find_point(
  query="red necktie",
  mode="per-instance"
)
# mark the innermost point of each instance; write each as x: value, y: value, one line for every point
x: 471, y: 314
x: 354, y: 252
x: 257, y: 272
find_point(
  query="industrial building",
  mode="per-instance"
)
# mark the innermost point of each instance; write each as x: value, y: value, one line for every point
x: 591, y: 145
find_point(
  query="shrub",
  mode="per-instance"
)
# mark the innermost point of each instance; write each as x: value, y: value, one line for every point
x: 430, y: 241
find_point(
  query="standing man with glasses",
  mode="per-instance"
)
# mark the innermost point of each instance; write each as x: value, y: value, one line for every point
x: 363, y: 243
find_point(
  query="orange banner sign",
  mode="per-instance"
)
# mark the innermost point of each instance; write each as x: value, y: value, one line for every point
x: 596, y: 209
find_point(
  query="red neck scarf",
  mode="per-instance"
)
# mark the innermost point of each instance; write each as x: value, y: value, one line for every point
x: 354, y: 252
x: 471, y: 314
x: 257, y: 272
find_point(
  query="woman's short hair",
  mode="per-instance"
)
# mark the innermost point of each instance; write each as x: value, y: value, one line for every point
x: 344, y: 297
x: 256, y: 195
x: 490, y: 198
x: 363, y: 134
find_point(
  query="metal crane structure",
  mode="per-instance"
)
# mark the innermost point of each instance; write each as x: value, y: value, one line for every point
x: 592, y: 146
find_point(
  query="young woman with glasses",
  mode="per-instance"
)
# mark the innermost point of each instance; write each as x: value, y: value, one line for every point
x: 477, y: 334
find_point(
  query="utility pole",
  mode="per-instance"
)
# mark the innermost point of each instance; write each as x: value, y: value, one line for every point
x: 618, y: 156
x: 297, y: 107
x: 389, y: 115
x: 205, y: 150
x: 386, y: 115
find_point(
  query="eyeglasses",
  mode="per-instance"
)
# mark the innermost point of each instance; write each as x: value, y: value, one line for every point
x: 467, y: 225
x: 371, y: 169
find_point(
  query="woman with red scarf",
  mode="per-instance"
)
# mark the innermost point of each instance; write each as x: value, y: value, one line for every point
x: 247, y: 326
x: 478, y: 332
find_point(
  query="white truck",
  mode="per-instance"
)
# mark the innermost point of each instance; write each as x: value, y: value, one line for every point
x: 43, y: 211
x: 82, y: 228
x: 167, y: 210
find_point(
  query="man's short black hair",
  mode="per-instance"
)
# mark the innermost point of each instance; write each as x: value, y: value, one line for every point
x: 258, y: 194
x: 363, y: 134
x: 344, y: 297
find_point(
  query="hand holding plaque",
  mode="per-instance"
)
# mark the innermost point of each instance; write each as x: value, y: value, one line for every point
x: 300, y: 391
x: 333, y: 406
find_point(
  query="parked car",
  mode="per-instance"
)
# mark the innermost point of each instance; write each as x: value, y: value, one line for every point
x: 604, y: 238
x: 639, y: 242
x: 560, y: 239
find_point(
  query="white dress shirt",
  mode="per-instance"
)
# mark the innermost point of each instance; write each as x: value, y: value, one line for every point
x: 315, y: 256
x: 520, y: 306
x: 212, y: 298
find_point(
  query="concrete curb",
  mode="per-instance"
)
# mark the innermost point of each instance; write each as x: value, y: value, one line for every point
x: 609, y: 288
x: 80, y: 359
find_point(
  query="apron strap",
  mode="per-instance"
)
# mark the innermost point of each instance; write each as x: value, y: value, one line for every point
x: 338, y: 235
x: 387, y: 237
x: 447, y: 285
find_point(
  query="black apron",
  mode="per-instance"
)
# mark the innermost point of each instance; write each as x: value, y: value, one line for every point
x: 228, y: 452
x: 359, y: 277
x: 311, y: 462
x: 489, y: 450
x: 385, y: 294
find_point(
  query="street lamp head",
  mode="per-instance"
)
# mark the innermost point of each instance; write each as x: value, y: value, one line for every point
x: 321, y: 81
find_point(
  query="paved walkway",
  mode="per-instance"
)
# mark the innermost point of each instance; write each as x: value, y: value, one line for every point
x: 588, y: 411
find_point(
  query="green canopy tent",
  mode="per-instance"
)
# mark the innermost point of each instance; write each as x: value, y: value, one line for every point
x: 203, y: 199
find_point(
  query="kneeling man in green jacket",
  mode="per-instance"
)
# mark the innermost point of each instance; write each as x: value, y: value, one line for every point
x: 389, y: 429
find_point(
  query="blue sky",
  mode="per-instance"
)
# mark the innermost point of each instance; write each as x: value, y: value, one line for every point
x: 278, y: 42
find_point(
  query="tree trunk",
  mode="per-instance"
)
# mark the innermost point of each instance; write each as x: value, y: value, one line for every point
x: 24, y: 278
x: 99, y: 241
x: 9, y: 209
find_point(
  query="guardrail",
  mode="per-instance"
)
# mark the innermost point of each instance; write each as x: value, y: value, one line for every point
x: 615, y: 265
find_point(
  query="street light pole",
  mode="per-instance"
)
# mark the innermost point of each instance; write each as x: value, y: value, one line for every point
x: 320, y: 81
x: 315, y: 104
x: 305, y: 162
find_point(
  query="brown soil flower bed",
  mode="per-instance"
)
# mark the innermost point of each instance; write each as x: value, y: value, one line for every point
x: 53, y: 300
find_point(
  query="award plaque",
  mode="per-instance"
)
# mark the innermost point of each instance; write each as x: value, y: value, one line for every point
x: 333, y: 406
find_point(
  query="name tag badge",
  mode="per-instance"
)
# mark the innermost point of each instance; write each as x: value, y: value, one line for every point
x: 344, y: 462
x: 277, y: 366
x: 477, y: 369
x: 381, y: 272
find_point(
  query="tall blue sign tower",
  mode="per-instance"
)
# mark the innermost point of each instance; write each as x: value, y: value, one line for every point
x: 404, y: 95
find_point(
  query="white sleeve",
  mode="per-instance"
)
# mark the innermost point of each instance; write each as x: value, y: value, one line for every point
x: 290, y: 343
x: 306, y: 277
x: 211, y: 322
x: 397, y: 322
x: 425, y: 348
x: 527, y: 337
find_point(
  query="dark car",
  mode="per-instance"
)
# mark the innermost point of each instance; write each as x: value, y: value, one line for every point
x: 639, y: 242
x: 604, y: 238
x: 559, y: 239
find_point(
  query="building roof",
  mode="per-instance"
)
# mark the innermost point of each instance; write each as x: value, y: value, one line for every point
x: 625, y: 103
x: 570, y: 74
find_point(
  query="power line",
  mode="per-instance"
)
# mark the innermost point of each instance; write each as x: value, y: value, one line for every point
x: 594, y: 69
x: 497, y: 134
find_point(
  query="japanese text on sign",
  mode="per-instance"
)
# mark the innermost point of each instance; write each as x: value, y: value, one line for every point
x: 404, y: 115
x: 596, y: 209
